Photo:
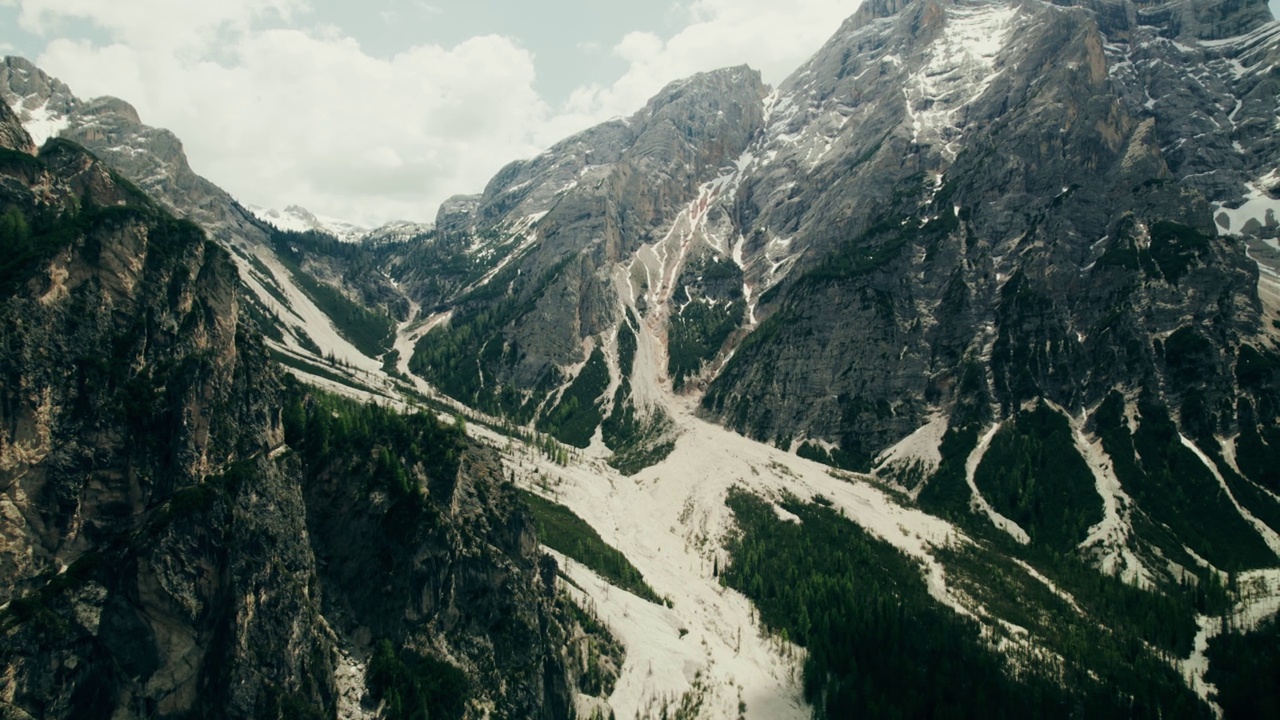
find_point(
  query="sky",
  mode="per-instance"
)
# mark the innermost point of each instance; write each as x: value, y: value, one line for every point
x: 380, y: 110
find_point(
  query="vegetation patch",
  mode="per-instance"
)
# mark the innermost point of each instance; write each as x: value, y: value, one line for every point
x: 371, y: 333
x: 835, y: 457
x: 416, y: 687
x: 1175, y: 247
x: 1175, y: 488
x: 376, y: 444
x: 575, y: 418
x: 468, y: 359
x: 880, y: 646
x: 310, y: 368
x: 1245, y: 668
x: 947, y: 493
x: 1189, y: 356
x: 1124, y: 639
x: 1033, y: 475
x: 696, y: 334
x: 638, y: 439
x: 560, y: 529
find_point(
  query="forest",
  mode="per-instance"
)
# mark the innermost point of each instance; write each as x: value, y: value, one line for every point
x: 879, y: 645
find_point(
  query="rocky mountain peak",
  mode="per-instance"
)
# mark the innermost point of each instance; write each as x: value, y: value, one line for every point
x: 706, y: 87
x: 114, y: 108
x: 22, y: 77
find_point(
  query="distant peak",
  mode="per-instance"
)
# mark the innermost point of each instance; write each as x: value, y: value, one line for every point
x: 107, y: 105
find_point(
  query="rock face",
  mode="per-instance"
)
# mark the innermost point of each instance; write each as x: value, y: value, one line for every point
x: 556, y: 225
x: 163, y: 552
x: 970, y: 216
x: 12, y: 135
x: 877, y: 204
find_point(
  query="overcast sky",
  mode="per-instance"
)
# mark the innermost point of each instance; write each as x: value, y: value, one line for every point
x: 380, y: 110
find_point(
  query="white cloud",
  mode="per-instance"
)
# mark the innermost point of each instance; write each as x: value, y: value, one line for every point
x: 280, y: 116
x: 293, y: 117
x: 639, y: 47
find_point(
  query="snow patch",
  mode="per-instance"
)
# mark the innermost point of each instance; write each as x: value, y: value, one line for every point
x: 1258, y: 210
x: 40, y: 122
x: 959, y: 68
x: 298, y: 219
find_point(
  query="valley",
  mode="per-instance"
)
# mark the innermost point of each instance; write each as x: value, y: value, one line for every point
x: 944, y: 375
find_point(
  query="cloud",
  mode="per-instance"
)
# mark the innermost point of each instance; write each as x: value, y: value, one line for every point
x: 639, y: 47
x: 287, y: 116
x: 772, y: 37
x: 279, y: 113
x: 427, y: 9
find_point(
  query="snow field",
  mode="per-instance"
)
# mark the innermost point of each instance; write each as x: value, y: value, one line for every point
x: 40, y: 122
x: 960, y: 67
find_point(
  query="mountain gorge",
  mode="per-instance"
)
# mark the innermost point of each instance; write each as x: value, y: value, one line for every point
x: 964, y: 337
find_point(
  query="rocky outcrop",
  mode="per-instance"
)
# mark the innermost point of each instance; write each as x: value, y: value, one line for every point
x: 560, y: 222
x: 12, y: 136
x: 129, y: 388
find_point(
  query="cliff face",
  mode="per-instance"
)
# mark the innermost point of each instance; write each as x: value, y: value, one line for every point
x: 997, y: 212
x: 544, y: 238
x: 159, y: 543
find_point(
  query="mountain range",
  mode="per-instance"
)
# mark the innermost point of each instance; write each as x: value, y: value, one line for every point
x: 943, y: 377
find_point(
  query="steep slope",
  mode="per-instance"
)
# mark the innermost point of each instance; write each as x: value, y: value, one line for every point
x: 1006, y: 229
x: 169, y: 546
x: 562, y: 221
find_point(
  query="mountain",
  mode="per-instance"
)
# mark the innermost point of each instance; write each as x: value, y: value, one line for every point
x: 950, y: 216
x: 942, y: 378
x: 1015, y: 261
x: 177, y: 545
